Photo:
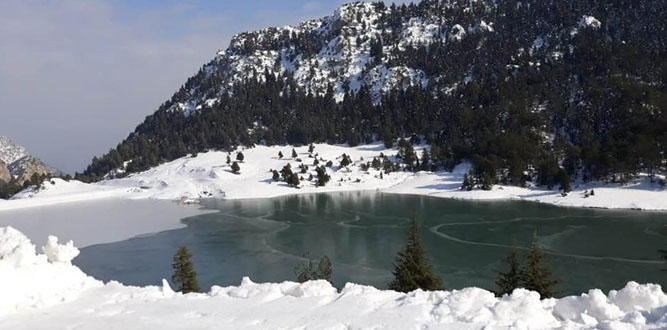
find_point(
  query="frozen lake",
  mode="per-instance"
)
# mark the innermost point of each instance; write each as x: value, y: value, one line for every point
x: 362, y: 231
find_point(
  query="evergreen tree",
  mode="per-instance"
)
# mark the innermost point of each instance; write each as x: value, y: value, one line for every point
x: 324, y: 271
x: 229, y: 160
x: 426, y: 160
x: 286, y: 172
x: 467, y: 183
x: 293, y: 180
x: 511, y: 279
x: 185, y: 276
x: 536, y: 275
x: 276, y: 175
x: 305, y: 271
x: 240, y: 157
x: 294, y: 154
x: 236, y: 169
x: 311, y: 148
x: 411, y: 268
x: 280, y: 155
x: 345, y: 161
x: 322, y: 176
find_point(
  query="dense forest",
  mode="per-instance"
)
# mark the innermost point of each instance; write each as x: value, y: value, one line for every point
x: 527, y: 91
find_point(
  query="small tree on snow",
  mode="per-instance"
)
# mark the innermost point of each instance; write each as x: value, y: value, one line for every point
x: 511, y: 279
x: 306, y: 272
x: 536, y: 276
x: 411, y: 269
x: 240, y: 157
x: 185, y: 276
x: 467, y: 183
x: 294, y: 154
x: 236, y: 169
x: 276, y: 175
x: 311, y: 148
x: 280, y: 154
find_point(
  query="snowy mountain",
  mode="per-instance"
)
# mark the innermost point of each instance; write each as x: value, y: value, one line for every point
x: 17, y: 163
x: 527, y: 92
x: 10, y: 151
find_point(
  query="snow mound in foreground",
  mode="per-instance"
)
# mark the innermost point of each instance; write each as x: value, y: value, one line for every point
x: 44, y: 291
x: 30, y: 280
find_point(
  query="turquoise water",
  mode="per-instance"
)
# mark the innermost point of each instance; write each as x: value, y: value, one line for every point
x: 362, y: 231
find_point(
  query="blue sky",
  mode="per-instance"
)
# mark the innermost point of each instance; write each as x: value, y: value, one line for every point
x: 76, y: 76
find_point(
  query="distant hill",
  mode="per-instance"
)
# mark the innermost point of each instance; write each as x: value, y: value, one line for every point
x: 16, y: 164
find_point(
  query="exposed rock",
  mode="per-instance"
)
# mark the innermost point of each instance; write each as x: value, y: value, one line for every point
x: 5, y: 175
x: 15, y: 161
x: 24, y: 168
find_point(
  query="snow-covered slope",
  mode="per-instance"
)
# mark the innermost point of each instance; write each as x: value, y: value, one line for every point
x: 208, y: 176
x: 45, y: 291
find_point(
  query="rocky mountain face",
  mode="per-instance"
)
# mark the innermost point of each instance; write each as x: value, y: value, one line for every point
x: 5, y: 175
x: 17, y: 163
x: 524, y: 90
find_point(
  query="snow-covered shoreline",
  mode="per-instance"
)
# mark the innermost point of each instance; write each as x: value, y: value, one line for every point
x: 208, y: 176
x: 45, y: 291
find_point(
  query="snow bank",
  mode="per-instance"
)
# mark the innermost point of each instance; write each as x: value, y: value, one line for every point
x: 208, y: 176
x: 47, y: 292
x: 29, y: 280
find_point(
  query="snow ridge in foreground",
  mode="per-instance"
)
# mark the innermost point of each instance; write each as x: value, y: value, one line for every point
x: 45, y: 291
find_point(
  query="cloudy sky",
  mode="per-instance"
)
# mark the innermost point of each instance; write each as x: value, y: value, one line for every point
x: 76, y: 76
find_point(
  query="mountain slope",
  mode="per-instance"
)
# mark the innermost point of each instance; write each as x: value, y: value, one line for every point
x: 16, y: 163
x: 10, y: 151
x: 536, y: 91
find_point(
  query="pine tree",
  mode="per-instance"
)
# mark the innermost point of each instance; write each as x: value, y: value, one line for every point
x: 511, y: 279
x: 311, y: 148
x: 276, y: 175
x: 324, y: 271
x: 345, y: 161
x: 294, y: 154
x: 467, y: 183
x: 235, y: 168
x: 185, y: 276
x: 305, y: 271
x: 411, y: 268
x: 426, y: 160
x: 229, y: 160
x: 293, y: 180
x: 240, y: 157
x: 280, y: 154
x: 322, y: 176
x: 536, y: 275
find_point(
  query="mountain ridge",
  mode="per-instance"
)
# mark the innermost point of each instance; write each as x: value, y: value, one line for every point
x: 17, y: 164
x: 525, y: 91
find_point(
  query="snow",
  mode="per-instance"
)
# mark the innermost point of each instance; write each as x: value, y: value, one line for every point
x: 208, y: 176
x: 98, y: 221
x: 44, y: 293
x: 591, y: 21
x: 10, y: 151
